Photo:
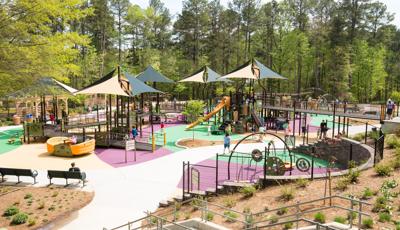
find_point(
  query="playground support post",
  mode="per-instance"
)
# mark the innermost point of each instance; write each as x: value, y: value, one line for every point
x: 334, y: 119
x: 366, y: 133
x: 183, y: 181
x: 294, y: 122
x: 347, y: 128
x: 216, y: 175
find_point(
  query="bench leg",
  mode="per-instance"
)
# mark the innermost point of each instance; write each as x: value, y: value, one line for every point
x: 19, y: 181
x: 50, y: 182
x: 83, y: 183
x: 66, y: 182
x: 34, y: 180
x: 2, y: 179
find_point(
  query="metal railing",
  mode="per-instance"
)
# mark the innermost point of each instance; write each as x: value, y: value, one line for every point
x: 248, y: 219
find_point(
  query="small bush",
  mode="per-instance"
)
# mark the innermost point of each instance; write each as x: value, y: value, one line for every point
x: 342, y: 183
x: 230, y: 216
x: 367, y: 193
x: 178, y: 205
x: 380, y: 204
x: 384, y: 217
x: 282, y: 211
x: 31, y: 222
x: 273, y: 219
x: 319, y: 217
x: 54, y: 194
x: 288, y: 225
x: 188, y: 216
x: 209, y: 216
x: 351, y: 215
x: 229, y: 202
x: 19, y: 218
x: 368, y: 223
x: 392, y: 141
x: 358, y: 137
x: 11, y: 211
x: 287, y: 194
x: 28, y: 196
x: 247, y: 210
x: 383, y: 169
x: 196, y: 203
x: 353, y: 175
x: 248, y: 191
x: 302, y: 182
x: 352, y: 165
x: 340, y: 219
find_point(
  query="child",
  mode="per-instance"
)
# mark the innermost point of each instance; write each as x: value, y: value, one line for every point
x: 227, y: 142
x: 134, y: 132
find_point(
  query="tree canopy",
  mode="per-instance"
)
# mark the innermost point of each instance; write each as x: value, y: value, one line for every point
x: 347, y: 48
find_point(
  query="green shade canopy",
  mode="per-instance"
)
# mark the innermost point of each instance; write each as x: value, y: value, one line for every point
x: 253, y: 69
x: 152, y: 75
x: 138, y: 87
x: 43, y: 87
x: 204, y: 75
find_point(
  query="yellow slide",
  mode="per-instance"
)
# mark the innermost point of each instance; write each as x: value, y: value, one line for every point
x: 226, y: 101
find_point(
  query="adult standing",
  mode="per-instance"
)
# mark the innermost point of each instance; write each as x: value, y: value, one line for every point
x: 389, y: 109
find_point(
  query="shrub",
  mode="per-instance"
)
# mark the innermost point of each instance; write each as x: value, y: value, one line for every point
x: 287, y: 194
x: 28, y: 196
x: 353, y: 175
x: 288, y: 225
x: 209, y: 216
x: 351, y: 215
x: 368, y: 223
x: 392, y: 141
x: 230, y: 216
x: 19, y: 218
x: 358, y: 137
x: 282, y: 211
x: 247, y: 210
x: 196, y: 203
x: 352, y: 165
x: 229, y: 202
x: 302, y: 182
x: 273, y: 219
x: 188, y: 216
x: 381, y: 204
x: 31, y: 222
x: 342, y: 183
x: 384, y: 217
x: 319, y: 217
x: 248, y: 191
x: 11, y: 211
x: 340, y: 219
x: 178, y: 205
x: 54, y: 194
x: 367, y: 193
x: 383, y: 169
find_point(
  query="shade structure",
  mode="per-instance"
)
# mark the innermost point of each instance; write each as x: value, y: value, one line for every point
x: 138, y: 87
x: 204, y: 75
x: 43, y: 87
x: 255, y: 70
x: 109, y: 84
x: 152, y: 75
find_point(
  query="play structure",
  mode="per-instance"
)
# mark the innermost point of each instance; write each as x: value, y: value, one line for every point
x: 63, y: 147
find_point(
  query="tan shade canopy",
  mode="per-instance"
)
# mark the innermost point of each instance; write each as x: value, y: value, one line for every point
x: 109, y: 84
x: 245, y: 72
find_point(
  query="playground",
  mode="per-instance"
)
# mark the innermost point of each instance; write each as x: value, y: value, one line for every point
x: 137, y: 142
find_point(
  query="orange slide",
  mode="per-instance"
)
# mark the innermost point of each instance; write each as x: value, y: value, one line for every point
x: 226, y: 102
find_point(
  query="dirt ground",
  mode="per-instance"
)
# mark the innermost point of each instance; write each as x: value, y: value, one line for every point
x: 269, y: 198
x: 42, y: 205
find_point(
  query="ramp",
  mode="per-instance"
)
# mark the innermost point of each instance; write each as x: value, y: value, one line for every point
x: 256, y: 119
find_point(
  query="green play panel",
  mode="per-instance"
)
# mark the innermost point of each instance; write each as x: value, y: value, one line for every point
x: 176, y: 133
x: 5, y: 136
x: 317, y: 119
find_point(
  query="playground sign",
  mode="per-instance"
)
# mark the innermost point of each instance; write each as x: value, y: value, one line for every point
x: 129, y: 145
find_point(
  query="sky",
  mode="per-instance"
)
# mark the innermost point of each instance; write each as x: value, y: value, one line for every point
x: 175, y: 7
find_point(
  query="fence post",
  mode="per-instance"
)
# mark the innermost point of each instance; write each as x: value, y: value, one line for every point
x: 359, y: 214
x: 216, y: 176
x: 351, y: 213
x: 366, y: 133
x: 351, y: 152
x: 375, y: 146
x: 298, y: 211
x: 183, y: 181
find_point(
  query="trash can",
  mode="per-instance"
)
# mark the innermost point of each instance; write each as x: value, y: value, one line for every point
x: 16, y: 120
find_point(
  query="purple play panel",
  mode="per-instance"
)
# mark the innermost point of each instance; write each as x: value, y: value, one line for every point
x: 208, y: 175
x: 116, y: 157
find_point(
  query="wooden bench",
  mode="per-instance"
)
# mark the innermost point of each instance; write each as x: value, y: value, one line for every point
x: 66, y: 175
x: 18, y: 172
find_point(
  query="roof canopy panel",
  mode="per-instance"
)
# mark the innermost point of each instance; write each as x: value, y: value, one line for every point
x: 109, y: 84
x: 253, y: 69
x: 138, y: 87
x: 265, y: 72
x: 244, y: 71
x: 152, y: 75
x: 43, y: 87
